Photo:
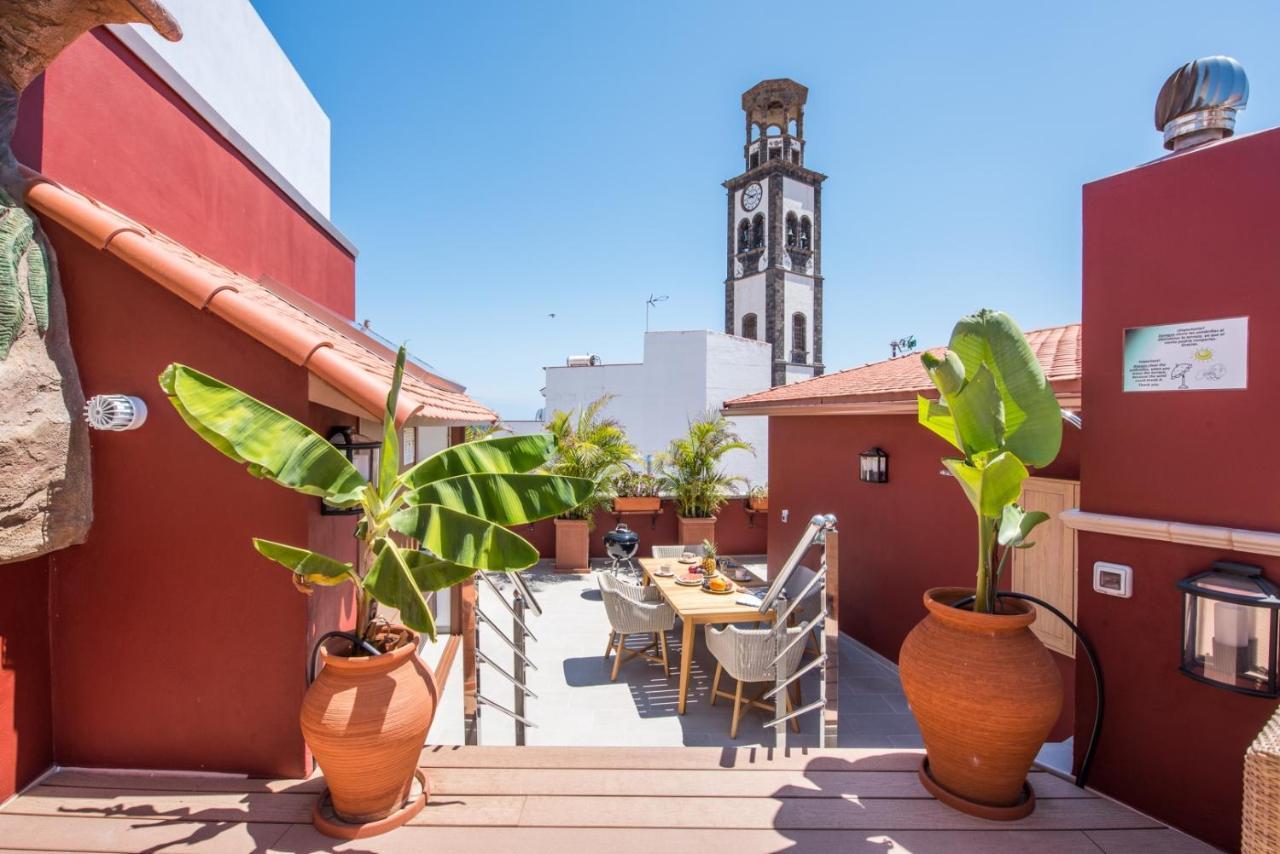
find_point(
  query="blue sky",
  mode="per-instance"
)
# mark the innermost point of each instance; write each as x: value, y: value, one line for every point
x: 499, y: 162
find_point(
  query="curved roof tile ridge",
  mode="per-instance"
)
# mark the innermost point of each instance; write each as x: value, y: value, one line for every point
x: 280, y: 321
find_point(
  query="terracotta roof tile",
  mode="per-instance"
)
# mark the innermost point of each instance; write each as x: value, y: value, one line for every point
x: 301, y: 330
x: 899, y: 380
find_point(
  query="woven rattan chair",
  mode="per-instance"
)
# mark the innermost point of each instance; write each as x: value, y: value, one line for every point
x: 1260, y: 829
x: 745, y: 655
x: 635, y: 610
x: 674, y: 552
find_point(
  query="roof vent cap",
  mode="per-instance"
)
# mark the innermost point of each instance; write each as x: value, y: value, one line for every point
x: 1198, y: 103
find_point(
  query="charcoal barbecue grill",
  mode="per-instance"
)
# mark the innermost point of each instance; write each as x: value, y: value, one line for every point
x: 621, y: 545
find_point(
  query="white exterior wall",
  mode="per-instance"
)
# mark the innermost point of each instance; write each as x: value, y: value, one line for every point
x: 684, y: 375
x: 798, y: 296
x: 748, y: 298
x: 230, y: 69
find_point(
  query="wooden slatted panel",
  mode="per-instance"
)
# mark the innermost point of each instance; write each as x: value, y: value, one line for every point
x: 658, y: 758
x: 1048, y: 571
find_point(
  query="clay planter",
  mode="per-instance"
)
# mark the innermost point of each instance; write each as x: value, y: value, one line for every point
x: 637, y: 504
x: 366, y: 718
x: 985, y: 692
x: 761, y: 506
x: 692, y: 531
x: 572, y: 546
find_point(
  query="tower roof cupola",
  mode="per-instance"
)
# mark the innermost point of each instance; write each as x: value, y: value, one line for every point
x: 775, y: 121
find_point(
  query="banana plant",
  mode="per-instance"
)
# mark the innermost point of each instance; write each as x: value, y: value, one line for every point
x: 997, y: 408
x: 457, y: 504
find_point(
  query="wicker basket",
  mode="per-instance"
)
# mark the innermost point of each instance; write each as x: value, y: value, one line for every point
x: 1260, y: 828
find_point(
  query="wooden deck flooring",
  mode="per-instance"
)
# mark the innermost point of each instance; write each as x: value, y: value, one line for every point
x: 569, y: 800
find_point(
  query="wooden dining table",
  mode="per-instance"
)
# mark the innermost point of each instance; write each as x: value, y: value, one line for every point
x: 696, y: 607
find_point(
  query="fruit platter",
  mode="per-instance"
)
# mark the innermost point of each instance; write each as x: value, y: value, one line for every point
x: 718, y: 585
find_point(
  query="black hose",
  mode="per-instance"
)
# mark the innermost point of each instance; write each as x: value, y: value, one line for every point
x: 351, y: 636
x: 1085, y: 764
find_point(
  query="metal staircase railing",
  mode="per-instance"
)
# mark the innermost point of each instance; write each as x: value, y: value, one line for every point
x: 522, y: 603
x: 821, y: 531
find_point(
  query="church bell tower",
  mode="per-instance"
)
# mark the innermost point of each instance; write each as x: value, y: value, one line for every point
x: 773, y: 289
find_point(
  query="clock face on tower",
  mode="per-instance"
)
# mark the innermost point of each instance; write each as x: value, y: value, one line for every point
x: 751, y: 197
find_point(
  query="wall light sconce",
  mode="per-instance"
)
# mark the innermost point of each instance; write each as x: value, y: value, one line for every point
x: 364, y: 456
x: 115, y: 412
x: 874, y: 466
x: 1230, y: 616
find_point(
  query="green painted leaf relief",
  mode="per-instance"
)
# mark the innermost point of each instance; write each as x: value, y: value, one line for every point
x: 18, y: 243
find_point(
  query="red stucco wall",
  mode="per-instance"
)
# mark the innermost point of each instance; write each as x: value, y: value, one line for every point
x: 737, y: 532
x: 174, y: 644
x: 112, y: 130
x: 26, y: 736
x: 897, y: 539
x: 1192, y: 237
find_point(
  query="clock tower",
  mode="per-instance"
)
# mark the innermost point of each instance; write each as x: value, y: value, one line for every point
x: 773, y: 290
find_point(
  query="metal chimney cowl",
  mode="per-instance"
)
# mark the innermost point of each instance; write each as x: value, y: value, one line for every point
x: 1198, y: 103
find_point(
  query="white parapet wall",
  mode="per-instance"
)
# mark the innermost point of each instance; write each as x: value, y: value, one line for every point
x: 230, y: 69
x: 683, y: 375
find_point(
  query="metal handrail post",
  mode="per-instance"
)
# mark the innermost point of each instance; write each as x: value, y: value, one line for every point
x: 469, y: 628
x: 518, y: 630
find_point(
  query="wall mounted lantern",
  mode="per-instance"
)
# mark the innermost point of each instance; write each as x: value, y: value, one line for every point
x: 1230, y: 616
x: 363, y: 455
x: 874, y: 466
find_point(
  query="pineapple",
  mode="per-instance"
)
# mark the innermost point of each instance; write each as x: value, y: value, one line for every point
x: 709, y: 559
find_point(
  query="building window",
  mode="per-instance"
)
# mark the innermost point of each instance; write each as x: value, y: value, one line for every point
x: 744, y: 235
x: 791, y: 230
x: 755, y: 159
x: 757, y: 231
x: 806, y: 233
x: 799, y: 339
x: 749, y: 326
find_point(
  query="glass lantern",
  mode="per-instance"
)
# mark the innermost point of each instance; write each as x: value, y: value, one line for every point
x: 363, y: 455
x: 873, y: 466
x: 1230, y: 616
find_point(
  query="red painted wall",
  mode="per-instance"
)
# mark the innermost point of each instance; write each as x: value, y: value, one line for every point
x: 737, y: 532
x: 113, y: 130
x: 174, y: 644
x: 897, y: 539
x: 26, y: 736
x: 1191, y: 237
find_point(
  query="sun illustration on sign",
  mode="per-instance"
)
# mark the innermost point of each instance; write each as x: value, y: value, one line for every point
x: 1204, y: 354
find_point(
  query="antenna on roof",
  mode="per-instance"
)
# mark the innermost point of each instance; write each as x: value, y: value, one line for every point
x: 902, y: 346
x: 650, y: 303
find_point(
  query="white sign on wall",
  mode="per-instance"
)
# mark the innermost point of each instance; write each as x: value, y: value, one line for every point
x: 1211, y: 354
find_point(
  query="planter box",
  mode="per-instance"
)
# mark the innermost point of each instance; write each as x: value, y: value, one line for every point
x: 572, y: 545
x: 759, y: 506
x: 635, y: 504
x: 694, y: 531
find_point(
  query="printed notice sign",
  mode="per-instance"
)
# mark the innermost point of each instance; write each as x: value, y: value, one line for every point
x: 1212, y: 354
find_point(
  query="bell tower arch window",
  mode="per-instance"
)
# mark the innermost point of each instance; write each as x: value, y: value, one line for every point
x: 792, y: 230
x: 744, y: 235
x: 757, y: 231
x: 806, y: 233
x: 749, y: 326
x: 799, y: 338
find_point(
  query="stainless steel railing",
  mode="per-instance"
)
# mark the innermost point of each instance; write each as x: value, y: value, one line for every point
x: 522, y: 603
x: 821, y: 532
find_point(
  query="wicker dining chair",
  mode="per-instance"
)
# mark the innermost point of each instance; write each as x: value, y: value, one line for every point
x: 1260, y: 829
x: 674, y: 552
x: 745, y: 655
x: 635, y: 610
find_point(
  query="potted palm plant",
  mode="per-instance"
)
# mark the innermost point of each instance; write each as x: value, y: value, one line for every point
x: 983, y: 688
x: 592, y: 448
x: 365, y: 717
x: 692, y: 475
x: 635, y: 492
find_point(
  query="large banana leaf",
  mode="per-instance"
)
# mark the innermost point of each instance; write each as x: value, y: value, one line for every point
x: 311, y: 566
x: 978, y: 413
x: 1016, y: 525
x: 935, y: 415
x: 272, y: 444
x: 390, y: 466
x: 1033, y: 420
x: 463, y: 539
x: 507, y: 499
x: 430, y: 573
x: 391, y: 582
x: 507, y: 455
x: 991, y: 483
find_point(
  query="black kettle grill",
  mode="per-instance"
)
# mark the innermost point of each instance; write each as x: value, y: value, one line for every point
x: 621, y: 544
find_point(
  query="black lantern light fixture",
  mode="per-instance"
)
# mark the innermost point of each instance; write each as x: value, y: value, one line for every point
x: 873, y: 466
x: 1230, y: 616
x: 363, y: 455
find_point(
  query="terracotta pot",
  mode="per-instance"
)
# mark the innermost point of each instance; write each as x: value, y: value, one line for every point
x: 636, y: 504
x: 985, y: 692
x: 759, y: 506
x: 366, y: 719
x: 692, y: 531
x: 572, y: 545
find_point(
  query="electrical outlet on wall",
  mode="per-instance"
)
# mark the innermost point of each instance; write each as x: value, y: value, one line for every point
x: 786, y: 514
x: 1113, y: 579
